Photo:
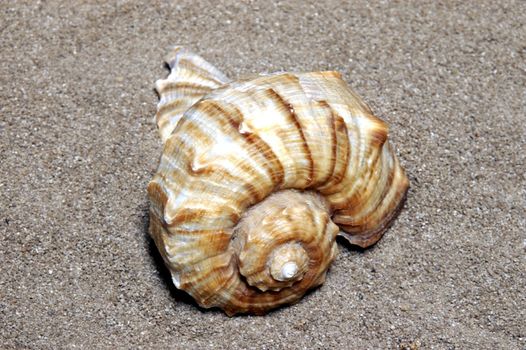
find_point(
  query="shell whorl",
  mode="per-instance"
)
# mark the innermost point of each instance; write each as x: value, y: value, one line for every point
x: 286, y: 236
x: 251, y: 175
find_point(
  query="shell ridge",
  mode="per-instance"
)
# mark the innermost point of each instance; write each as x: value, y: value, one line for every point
x: 269, y: 120
x: 295, y: 118
x: 191, y: 77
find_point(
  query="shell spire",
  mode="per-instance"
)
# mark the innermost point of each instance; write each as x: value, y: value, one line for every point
x: 259, y: 176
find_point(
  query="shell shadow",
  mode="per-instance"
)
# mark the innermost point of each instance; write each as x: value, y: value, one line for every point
x: 342, y: 241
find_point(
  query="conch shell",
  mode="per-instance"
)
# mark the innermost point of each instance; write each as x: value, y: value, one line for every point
x: 259, y: 176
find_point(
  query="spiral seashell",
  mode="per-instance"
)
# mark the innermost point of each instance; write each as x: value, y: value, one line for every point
x: 258, y: 177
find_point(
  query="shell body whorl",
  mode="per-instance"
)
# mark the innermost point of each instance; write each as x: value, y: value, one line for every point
x: 254, y: 176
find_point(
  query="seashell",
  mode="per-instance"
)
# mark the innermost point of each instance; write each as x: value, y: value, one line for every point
x: 257, y: 178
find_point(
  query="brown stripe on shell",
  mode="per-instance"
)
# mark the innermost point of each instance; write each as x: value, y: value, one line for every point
x: 216, y: 292
x: 249, y: 192
x: 174, y: 244
x: 333, y: 142
x: 396, y: 181
x: 373, y: 150
x: 221, y: 174
x: 293, y: 117
x: 274, y: 166
x: 180, y: 149
x: 191, y: 78
x: 338, y: 191
x: 315, y: 118
x: 343, y: 150
x: 163, y: 237
x: 168, y: 110
x: 184, y: 89
x: 372, y: 207
x: 355, y: 203
x: 358, y: 170
x: 249, y: 195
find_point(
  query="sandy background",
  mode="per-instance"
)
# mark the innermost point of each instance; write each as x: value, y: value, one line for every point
x: 78, y: 146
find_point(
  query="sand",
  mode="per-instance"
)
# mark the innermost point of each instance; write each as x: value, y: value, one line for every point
x: 78, y: 147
